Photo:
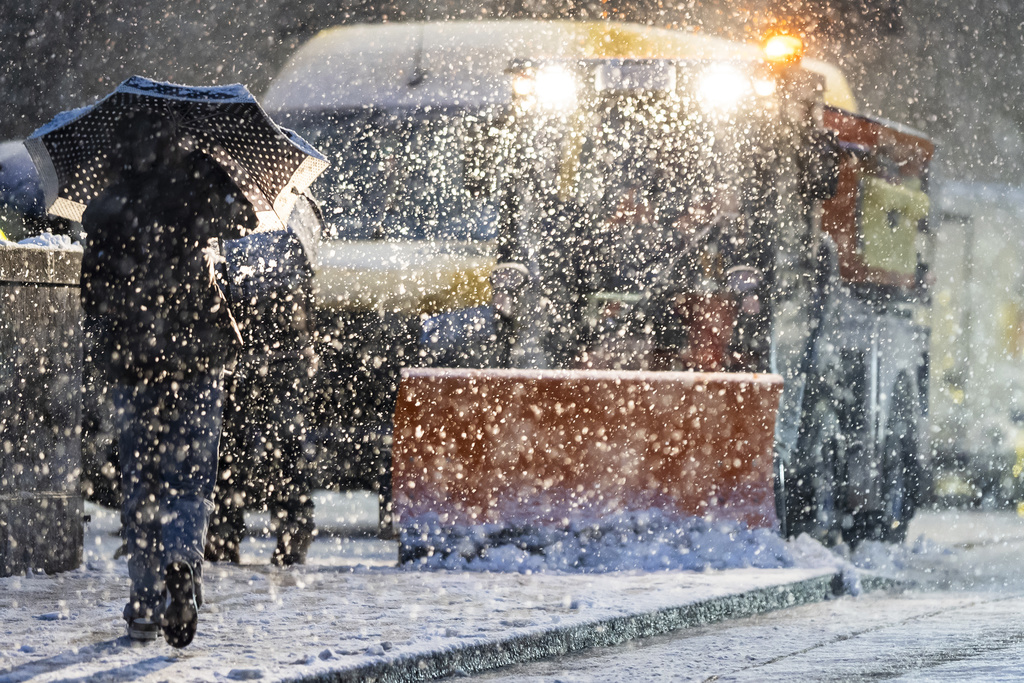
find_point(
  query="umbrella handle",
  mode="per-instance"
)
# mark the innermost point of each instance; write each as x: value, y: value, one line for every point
x: 212, y: 256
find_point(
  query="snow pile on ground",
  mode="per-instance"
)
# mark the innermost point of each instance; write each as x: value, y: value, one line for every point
x: 891, y: 559
x: 809, y: 553
x: 48, y: 240
x: 644, y: 541
x: 880, y: 557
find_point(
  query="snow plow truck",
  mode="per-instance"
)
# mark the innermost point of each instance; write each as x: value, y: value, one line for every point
x: 582, y: 267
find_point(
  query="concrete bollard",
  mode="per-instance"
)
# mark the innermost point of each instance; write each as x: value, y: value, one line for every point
x: 40, y: 410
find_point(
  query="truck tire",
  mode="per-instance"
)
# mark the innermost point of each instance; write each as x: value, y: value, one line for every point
x: 810, y: 496
x: 900, y: 466
x: 812, y: 483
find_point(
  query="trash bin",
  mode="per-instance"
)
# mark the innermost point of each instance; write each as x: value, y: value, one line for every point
x: 40, y: 409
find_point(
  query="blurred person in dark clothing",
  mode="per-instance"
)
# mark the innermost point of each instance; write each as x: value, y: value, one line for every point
x: 265, y: 456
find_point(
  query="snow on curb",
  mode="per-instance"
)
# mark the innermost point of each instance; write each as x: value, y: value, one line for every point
x: 321, y: 624
x: 540, y: 643
x: 356, y: 622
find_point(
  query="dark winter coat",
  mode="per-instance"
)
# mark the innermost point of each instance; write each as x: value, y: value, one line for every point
x: 145, y: 278
x: 268, y: 281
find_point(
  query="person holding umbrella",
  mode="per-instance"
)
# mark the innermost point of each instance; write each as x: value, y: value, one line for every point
x: 158, y: 174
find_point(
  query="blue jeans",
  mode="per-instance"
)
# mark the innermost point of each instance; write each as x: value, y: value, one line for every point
x: 168, y: 434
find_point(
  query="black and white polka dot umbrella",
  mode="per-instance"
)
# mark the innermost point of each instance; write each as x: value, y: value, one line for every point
x: 75, y: 152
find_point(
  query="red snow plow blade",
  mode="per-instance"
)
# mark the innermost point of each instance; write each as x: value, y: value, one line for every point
x: 530, y: 448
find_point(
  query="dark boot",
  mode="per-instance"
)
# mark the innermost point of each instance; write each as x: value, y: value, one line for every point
x: 291, y: 520
x: 219, y: 549
x: 181, y: 612
x: 292, y: 523
x: 293, y: 541
x: 227, y: 527
x: 141, y: 615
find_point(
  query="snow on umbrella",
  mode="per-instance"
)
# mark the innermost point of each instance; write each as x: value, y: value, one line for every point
x: 76, y: 158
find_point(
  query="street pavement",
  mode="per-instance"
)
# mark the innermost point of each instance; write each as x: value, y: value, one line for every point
x: 959, y: 617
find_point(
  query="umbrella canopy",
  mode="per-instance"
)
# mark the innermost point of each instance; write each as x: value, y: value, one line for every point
x: 76, y: 158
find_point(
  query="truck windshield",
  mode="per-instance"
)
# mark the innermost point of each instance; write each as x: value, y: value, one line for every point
x: 402, y: 174
x: 657, y: 178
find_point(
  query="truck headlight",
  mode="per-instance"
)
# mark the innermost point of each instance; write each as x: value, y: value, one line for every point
x: 550, y: 87
x: 723, y: 87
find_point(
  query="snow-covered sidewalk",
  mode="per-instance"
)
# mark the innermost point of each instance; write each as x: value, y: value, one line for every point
x: 351, y: 614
